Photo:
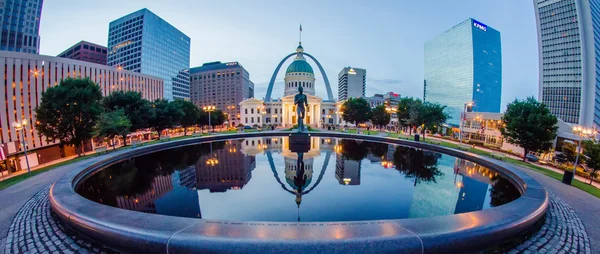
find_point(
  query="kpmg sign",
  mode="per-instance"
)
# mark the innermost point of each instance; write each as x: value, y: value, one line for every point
x: 480, y: 26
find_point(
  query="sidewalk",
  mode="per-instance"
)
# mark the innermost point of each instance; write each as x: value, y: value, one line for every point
x: 40, y: 166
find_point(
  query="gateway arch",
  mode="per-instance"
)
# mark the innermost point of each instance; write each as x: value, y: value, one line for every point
x: 272, y: 82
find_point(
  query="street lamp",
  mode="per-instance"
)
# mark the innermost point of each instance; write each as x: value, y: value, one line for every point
x: 209, y: 109
x: 463, y: 117
x: 581, y: 132
x: 20, y: 126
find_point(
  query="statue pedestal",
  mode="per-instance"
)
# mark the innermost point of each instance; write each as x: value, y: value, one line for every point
x: 299, y: 142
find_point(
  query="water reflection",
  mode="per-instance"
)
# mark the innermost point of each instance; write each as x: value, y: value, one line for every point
x: 213, y: 181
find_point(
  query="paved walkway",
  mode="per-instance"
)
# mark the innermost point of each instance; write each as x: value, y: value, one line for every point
x: 14, y: 197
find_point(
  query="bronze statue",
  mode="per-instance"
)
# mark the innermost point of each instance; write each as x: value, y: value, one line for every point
x: 301, y: 102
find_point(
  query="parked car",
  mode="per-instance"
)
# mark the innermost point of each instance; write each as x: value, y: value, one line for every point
x: 247, y: 127
x: 532, y: 158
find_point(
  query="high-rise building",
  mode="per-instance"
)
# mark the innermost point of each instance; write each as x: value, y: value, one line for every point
x: 352, y: 83
x: 86, y: 51
x: 143, y: 42
x: 569, y: 59
x: 20, y: 21
x: 223, y: 85
x: 464, y: 64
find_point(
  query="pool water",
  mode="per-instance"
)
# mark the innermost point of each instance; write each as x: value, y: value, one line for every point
x: 261, y: 179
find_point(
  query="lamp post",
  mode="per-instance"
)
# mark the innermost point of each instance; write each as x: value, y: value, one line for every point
x: 209, y: 109
x: 463, y: 117
x: 581, y: 132
x: 20, y: 126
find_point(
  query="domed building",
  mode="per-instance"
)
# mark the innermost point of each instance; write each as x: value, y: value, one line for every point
x: 281, y: 112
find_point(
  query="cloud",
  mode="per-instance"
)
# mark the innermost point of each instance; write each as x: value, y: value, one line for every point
x: 383, y: 85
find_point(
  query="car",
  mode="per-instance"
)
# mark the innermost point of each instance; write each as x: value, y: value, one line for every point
x: 532, y: 158
x: 248, y: 127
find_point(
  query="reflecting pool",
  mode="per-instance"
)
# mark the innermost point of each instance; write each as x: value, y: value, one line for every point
x: 266, y: 179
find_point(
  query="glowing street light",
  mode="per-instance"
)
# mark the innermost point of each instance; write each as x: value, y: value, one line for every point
x: 581, y: 132
x: 20, y: 126
x: 209, y: 109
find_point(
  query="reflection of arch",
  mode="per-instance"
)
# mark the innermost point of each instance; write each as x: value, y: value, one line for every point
x: 272, y: 165
x: 272, y: 82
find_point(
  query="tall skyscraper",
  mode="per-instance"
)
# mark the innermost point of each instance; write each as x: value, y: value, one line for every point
x: 569, y: 58
x: 20, y: 25
x: 352, y: 83
x: 464, y: 64
x: 145, y: 43
x: 86, y: 51
x: 223, y: 85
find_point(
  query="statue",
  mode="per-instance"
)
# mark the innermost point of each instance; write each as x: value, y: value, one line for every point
x: 301, y: 102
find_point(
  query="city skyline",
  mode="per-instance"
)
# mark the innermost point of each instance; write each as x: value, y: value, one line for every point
x: 391, y: 51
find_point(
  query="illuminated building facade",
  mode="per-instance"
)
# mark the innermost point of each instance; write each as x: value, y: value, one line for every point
x: 26, y: 76
x: 86, y: 51
x: 464, y: 64
x: 20, y: 21
x: 352, y: 83
x: 223, y: 85
x: 143, y: 42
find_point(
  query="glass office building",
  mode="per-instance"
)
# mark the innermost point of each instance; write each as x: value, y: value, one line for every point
x: 464, y: 64
x: 145, y: 43
x: 569, y: 59
x: 20, y: 21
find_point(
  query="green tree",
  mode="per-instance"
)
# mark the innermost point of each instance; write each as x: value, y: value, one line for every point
x: 191, y: 114
x: 529, y: 124
x: 380, y: 117
x: 592, y: 154
x: 114, y: 123
x: 356, y: 110
x: 69, y: 112
x: 164, y: 115
x: 428, y: 115
x: 570, y: 152
x: 217, y: 118
x: 136, y: 108
x: 403, y: 112
x: 354, y: 150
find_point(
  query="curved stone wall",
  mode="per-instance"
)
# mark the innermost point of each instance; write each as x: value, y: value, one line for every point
x: 132, y: 231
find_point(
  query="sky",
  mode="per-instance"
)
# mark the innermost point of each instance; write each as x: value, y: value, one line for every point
x: 384, y: 37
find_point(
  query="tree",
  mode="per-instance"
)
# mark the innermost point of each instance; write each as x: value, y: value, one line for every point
x: 403, y: 112
x: 217, y: 117
x: 380, y: 117
x: 136, y: 108
x: 164, y: 115
x: 429, y: 115
x: 569, y: 151
x: 191, y: 114
x: 592, y: 154
x: 356, y: 110
x: 113, y: 124
x: 529, y: 124
x: 69, y: 112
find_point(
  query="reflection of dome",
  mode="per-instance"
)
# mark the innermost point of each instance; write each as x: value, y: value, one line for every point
x: 299, y: 65
x: 290, y: 182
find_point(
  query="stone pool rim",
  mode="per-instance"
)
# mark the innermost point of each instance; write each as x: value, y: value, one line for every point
x: 133, y: 231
